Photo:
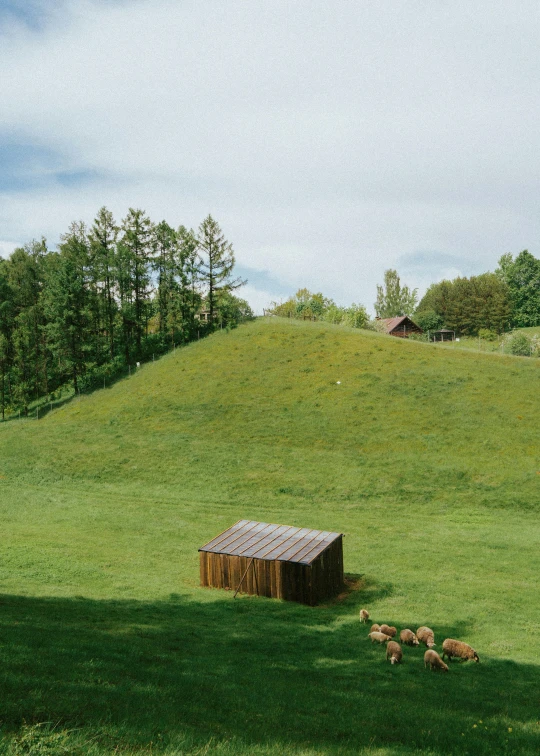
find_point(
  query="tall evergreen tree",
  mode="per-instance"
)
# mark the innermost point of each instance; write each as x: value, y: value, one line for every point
x: 103, y: 240
x: 189, y: 272
x: 166, y: 266
x: 393, y: 299
x: 69, y: 306
x: 25, y: 273
x: 134, y: 263
x: 217, y: 264
x: 6, y: 322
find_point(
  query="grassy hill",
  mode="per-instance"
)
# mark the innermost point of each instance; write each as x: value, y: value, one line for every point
x: 427, y: 459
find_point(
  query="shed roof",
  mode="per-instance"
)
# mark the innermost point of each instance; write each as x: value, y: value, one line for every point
x: 262, y: 540
x: 391, y: 323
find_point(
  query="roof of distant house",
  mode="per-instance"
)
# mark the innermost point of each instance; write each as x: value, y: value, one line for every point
x: 391, y: 324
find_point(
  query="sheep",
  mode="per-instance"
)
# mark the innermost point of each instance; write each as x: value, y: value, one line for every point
x: 375, y: 628
x: 459, y: 649
x: 364, y: 615
x: 434, y: 660
x: 394, y: 652
x: 379, y: 637
x: 425, y: 635
x: 391, y: 631
x: 408, y: 638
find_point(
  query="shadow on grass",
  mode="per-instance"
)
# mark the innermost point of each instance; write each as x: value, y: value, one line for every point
x: 360, y: 590
x: 256, y: 672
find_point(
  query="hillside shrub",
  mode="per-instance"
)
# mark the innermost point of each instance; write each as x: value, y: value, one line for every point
x: 487, y: 335
x: 518, y: 344
x: 355, y: 316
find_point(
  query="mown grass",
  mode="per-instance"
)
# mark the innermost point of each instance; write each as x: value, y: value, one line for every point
x: 428, y: 460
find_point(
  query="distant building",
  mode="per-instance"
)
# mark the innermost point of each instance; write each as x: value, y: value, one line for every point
x: 203, y: 315
x: 402, y: 326
x: 444, y: 334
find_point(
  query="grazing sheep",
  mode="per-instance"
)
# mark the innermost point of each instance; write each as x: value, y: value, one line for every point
x: 379, y: 637
x: 364, y: 615
x: 459, y: 649
x: 425, y: 635
x: 375, y: 628
x: 408, y: 638
x: 434, y: 660
x: 394, y: 652
x: 391, y: 631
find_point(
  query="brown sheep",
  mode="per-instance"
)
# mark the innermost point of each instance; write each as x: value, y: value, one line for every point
x: 394, y: 652
x: 391, y: 631
x: 434, y: 660
x: 408, y: 638
x: 364, y: 615
x: 425, y: 635
x: 375, y: 628
x: 459, y: 649
x: 379, y: 637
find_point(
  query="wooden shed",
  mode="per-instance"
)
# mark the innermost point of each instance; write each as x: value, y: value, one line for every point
x: 443, y: 334
x: 278, y: 561
x: 402, y: 326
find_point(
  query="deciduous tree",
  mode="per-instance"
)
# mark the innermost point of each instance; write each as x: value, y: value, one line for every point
x: 393, y: 299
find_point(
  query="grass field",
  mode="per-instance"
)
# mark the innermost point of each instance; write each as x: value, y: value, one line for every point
x: 426, y: 458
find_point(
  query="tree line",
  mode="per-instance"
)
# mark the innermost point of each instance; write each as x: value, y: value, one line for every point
x: 109, y: 296
x: 487, y: 304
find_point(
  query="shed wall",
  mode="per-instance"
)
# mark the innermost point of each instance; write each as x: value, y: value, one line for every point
x: 292, y: 581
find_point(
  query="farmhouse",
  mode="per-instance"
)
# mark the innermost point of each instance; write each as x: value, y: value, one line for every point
x: 278, y: 561
x: 402, y: 326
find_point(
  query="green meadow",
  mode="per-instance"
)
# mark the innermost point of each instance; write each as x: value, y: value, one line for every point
x: 426, y: 458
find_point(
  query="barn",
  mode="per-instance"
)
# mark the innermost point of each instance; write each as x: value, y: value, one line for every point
x: 402, y: 326
x: 278, y: 561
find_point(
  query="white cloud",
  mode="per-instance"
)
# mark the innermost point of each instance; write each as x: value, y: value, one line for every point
x: 258, y: 300
x: 328, y: 139
x: 6, y: 248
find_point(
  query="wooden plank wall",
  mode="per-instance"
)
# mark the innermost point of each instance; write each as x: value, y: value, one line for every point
x: 308, y: 584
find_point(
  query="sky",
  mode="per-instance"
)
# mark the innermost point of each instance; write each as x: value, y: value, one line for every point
x: 330, y: 140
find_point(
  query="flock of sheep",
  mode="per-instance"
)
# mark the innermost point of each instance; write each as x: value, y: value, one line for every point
x: 394, y: 652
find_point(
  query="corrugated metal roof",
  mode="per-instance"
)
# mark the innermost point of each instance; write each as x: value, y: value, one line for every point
x: 262, y: 540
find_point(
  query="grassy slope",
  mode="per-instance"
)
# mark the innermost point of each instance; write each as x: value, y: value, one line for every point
x: 427, y: 459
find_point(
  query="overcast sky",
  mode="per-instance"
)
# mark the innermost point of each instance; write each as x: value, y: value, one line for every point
x: 331, y: 140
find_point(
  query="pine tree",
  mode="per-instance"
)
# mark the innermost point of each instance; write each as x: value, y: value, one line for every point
x: 6, y: 326
x: 189, y: 273
x: 134, y: 264
x: 69, y: 305
x: 25, y: 274
x: 166, y: 266
x: 217, y: 264
x: 103, y: 239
